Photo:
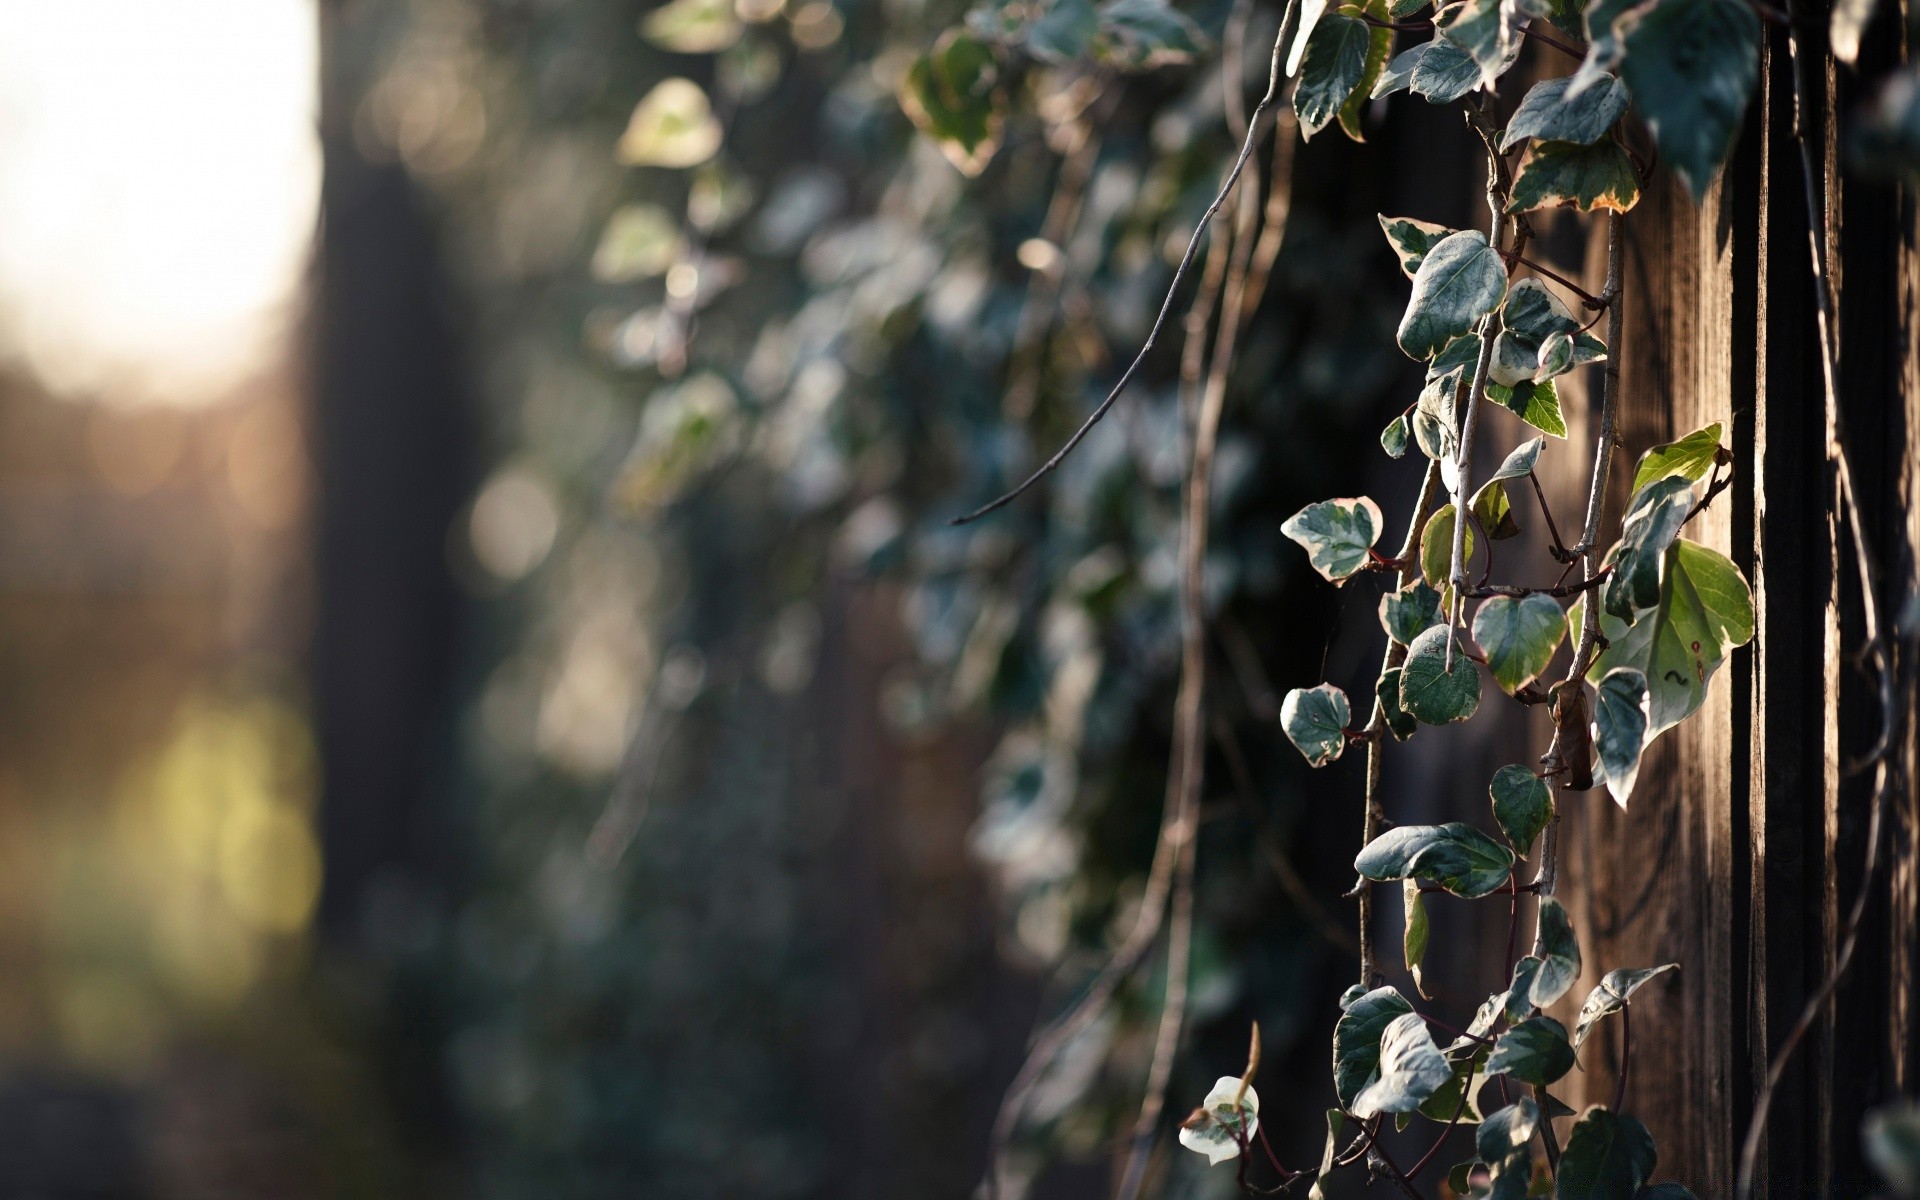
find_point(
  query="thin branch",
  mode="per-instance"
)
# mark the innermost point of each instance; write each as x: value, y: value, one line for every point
x: 1463, y: 457
x: 1179, y: 275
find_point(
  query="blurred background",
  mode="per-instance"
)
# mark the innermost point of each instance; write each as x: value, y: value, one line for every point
x: 490, y: 704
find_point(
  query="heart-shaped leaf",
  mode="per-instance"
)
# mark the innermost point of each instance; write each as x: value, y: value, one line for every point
x: 1559, y: 954
x: 1460, y: 280
x: 1519, y: 635
x: 1620, y: 728
x: 1522, y: 804
x: 1411, y: 1069
x: 1315, y: 721
x: 1433, y: 690
x: 1611, y: 994
x: 1607, y: 1157
x: 1336, y: 534
x: 1455, y: 856
x: 1534, y: 1051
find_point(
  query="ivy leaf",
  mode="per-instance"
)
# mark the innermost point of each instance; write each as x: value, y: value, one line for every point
x: 1530, y: 316
x: 1414, y: 931
x: 1335, y: 64
x: 1141, y: 34
x: 1607, y: 1157
x: 1705, y: 610
x: 1336, y: 1126
x: 1411, y: 1069
x: 1567, y: 175
x: 1436, y: 549
x: 1434, y: 430
x: 1399, y: 72
x: 1468, y: 1077
x: 1550, y: 115
x: 1518, y: 1000
x: 1387, y: 692
x: 1491, y: 505
x: 1062, y: 33
x: 1461, y: 280
x: 1502, y: 1141
x: 1654, y: 518
x: 1219, y: 1138
x: 1603, y: 42
x: 1692, y: 65
x: 1455, y: 856
x: 692, y: 26
x: 1522, y: 805
x: 1891, y: 1138
x: 1432, y: 691
x: 1379, y: 46
x: 1534, y: 1051
x: 1336, y: 534
x: 1393, y: 439
x: 1460, y: 354
x: 1356, y: 1040
x: 1690, y: 458
x: 1412, y: 239
x: 673, y: 126
x: 1620, y: 729
x: 1315, y: 721
x: 1409, y: 612
x: 1310, y: 13
x: 1445, y: 72
x: 1611, y: 994
x: 1519, y: 635
x: 1537, y: 403
x: 1488, y: 30
x: 1559, y: 956
x: 952, y: 94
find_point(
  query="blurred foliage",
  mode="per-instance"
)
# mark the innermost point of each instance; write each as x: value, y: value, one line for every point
x: 746, y: 341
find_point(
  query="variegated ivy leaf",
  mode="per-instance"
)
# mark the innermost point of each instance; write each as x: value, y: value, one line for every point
x: 1691, y: 65
x: 1356, y: 1040
x: 1490, y: 505
x: 1434, y: 428
x: 1410, y: 612
x: 1519, y: 635
x: 1611, y: 995
x: 1226, y: 1124
x: 1336, y: 1128
x: 1502, y: 1141
x: 1550, y: 115
x: 1414, y: 931
x: 1559, y: 954
x: 1522, y: 805
x: 1691, y: 458
x: 1556, y: 355
x: 1433, y: 691
x: 1387, y: 692
x: 1393, y: 439
x: 1336, y: 534
x: 1891, y: 1138
x: 1400, y: 10
x: 1620, y: 729
x: 1379, y: 48
x: 1567, y: 175
x: 1446, y: 72
x: 1461, y: 280
x: 1335, y: 64
x: 1603, y: 43
x: 1607, y: 1157
x: 1654, y: 518
x: 1436, y: 550
x: 1530, y: 316
x: 1310, y: 13
x: 1705, y: 610
x: 1488, y: 30
x: 1061, y: 33
x: 1315, y: 721
x: 1399, y: 72
x: 1411, y: 1069
x: 1456, y: 856
x: 1460, y: 354
x: 1536, y: 403
x: 953, y: 95
x: 1140, y: 34
x: 1534, y: 1051
x: 1411, y: 240
x: 1518, y: 1000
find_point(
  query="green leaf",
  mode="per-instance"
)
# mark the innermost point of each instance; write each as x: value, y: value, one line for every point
x: 952, y: 94
x: 1891, y: 1138
x: 1436, y: 548
x: 1409, y: 612
x: 1387, y: 691
x: 1692, y: 457
x: 1620, y: 729
x: 1486, y: 30
x: 692, y: 26
x: 1445, y: 72
x: 1491, y: 505
x: 1607, y: 1157
x: 1538, y: 404
x: 1399, y: 72
x: 1518, y: 1000
x: 1356, y: 1040
x: 1140, y: 34
x: 1063, y: 33
x: 1534, y: 1051
x: 1414, y: 931
x: 1316, y: 721
x: 1530, y: 316
x: 1461, y: 280
x: 1336, y: 1126
x: 1412, y: 239
x: 1519, y: 636
x: 1502, y: 1143
x: 1336, y: 534
x: 1611, y: 994
x: 1379, y: 47
x: 1603, y: 41
x: 1550, y: 115
x: 1460, y: 354
x: 1559, y: 953
x: 1654, y: 518
x: 1456, y: 856
x: 1692, y: 65
x: 1567, y: 175
x: 1705, y: 610
x: 1522, y: 805
x: 1411, y: 1069
x: 1334, y: 66
x: 1434, y: 691
x: 1393, y: 439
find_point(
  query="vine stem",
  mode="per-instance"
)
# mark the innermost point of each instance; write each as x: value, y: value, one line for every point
x: 1200, y: 229
x: 1463, y: 456
x: 1245, y: 280
x: 1874, y: 652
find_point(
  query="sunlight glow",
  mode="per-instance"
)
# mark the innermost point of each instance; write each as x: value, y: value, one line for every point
x: 159, y: 182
